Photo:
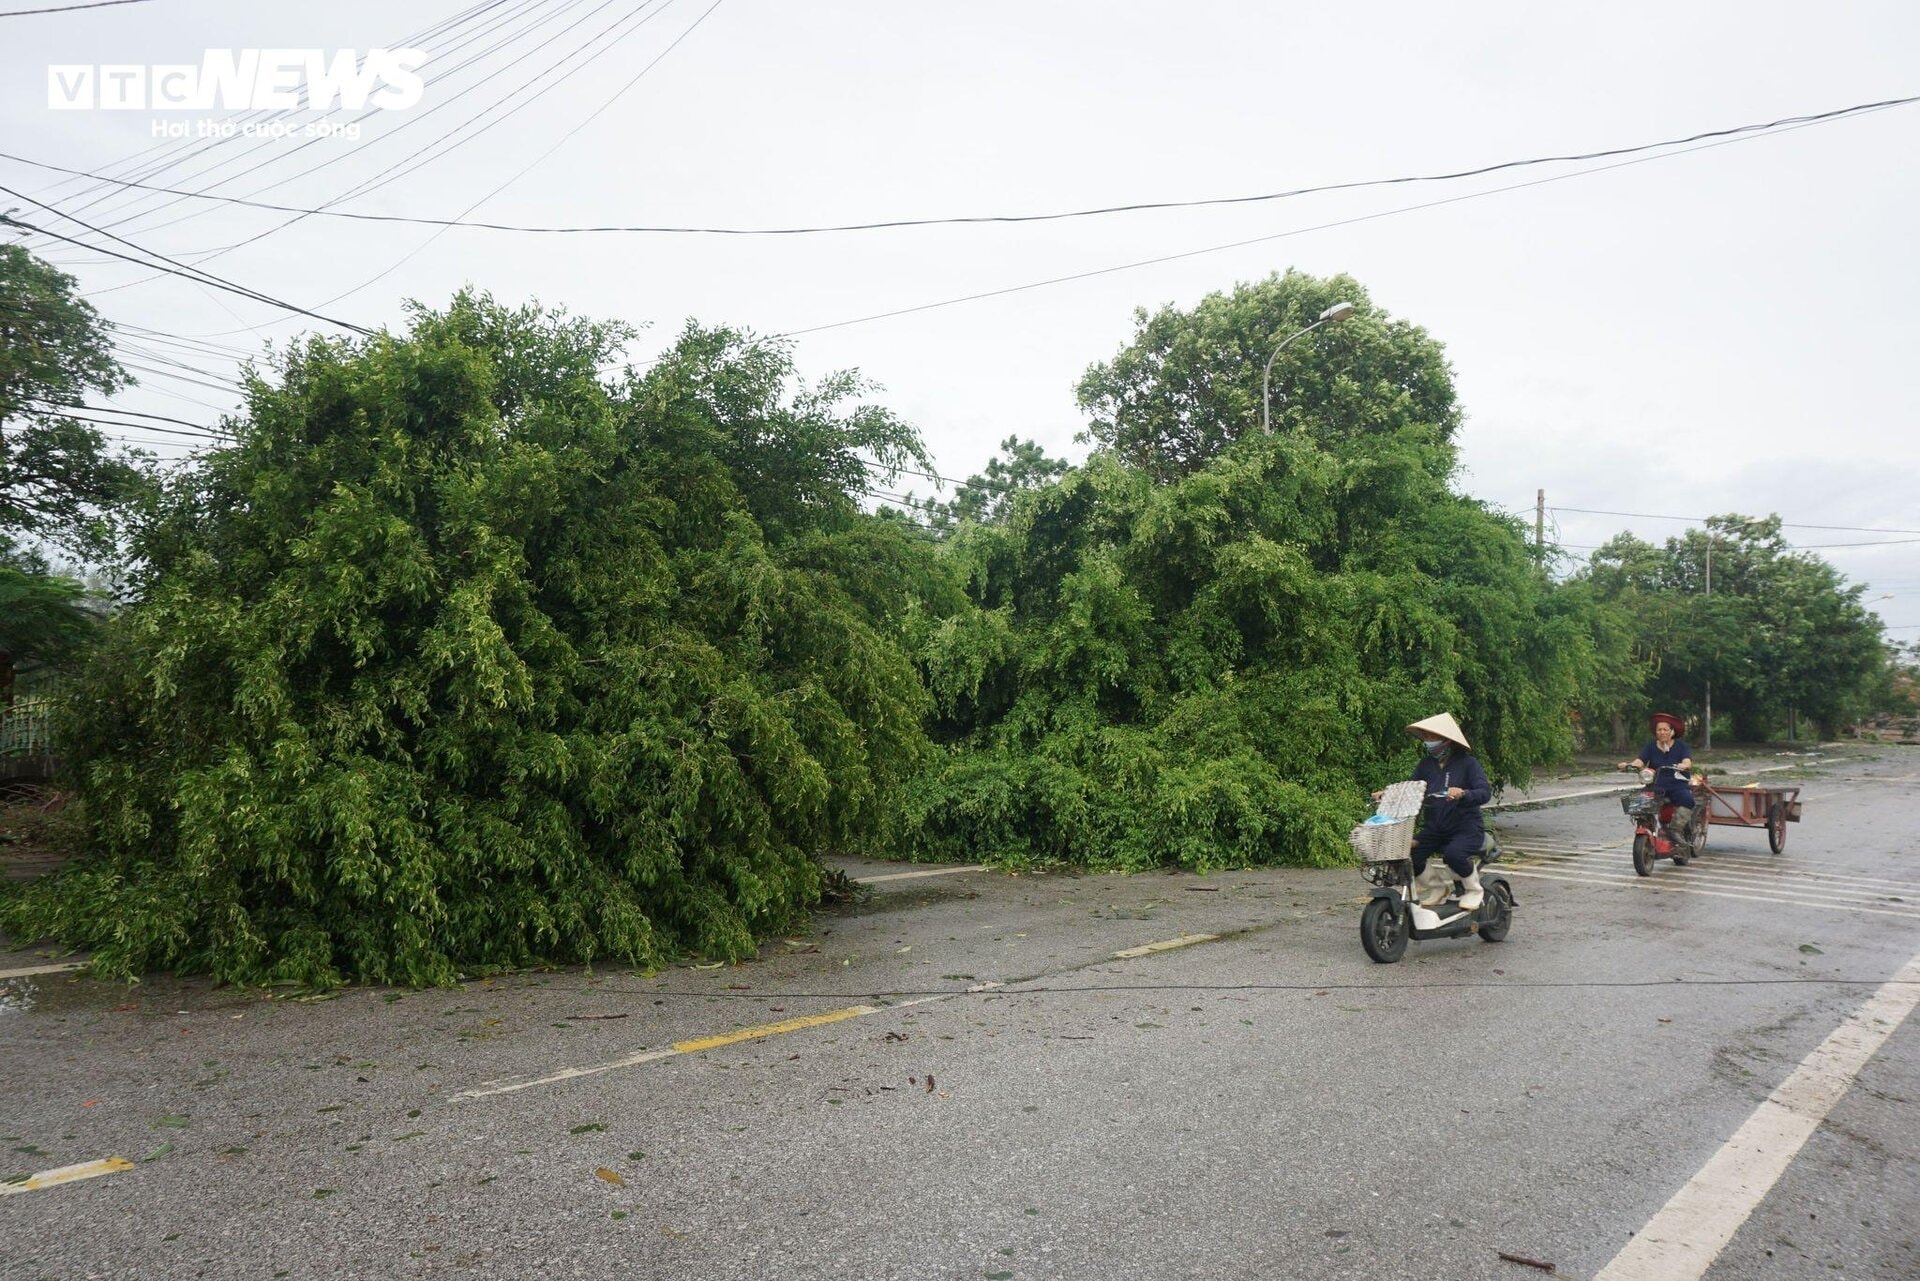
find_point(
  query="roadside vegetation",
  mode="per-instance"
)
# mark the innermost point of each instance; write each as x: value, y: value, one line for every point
x: 478, y: 647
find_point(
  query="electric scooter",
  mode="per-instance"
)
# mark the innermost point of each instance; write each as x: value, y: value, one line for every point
x: 1653, y: 834
x: 1393, y: 913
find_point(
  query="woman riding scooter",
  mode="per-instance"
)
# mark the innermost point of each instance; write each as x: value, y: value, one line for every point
x: 1671, y: 761
x: 1456, y: 789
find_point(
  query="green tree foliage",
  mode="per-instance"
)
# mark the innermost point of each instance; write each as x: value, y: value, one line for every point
x: 1190, y: 381
x: 1782, y: 637
x: 988, y: 495
x: 58, y: 479
x: 467, y: 655
x: 45, y: 620
x: 1202, y: 647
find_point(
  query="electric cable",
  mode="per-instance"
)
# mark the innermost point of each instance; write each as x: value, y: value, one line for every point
x: 536, y: 161
x: 146, y: 165
x: 544, y: 16
x: 1735, y: 133
x: 69, y: 8
x: 1701, y: 520
x: 172, y: 268
x: 392, y: 173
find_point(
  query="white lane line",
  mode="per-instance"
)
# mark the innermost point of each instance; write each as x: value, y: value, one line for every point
x: 1697, y: 875
x: 67, y: 1174
x: 914, y: 876
x: 1164, y: 945
x: 1796, y: 882
x: 1645, y: 883
x: 1709, y: 865
x: 1617, y: 789
x: 24, y: 971
x: 1681, y: 1242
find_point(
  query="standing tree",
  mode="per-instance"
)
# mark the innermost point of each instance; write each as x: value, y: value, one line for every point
x: 1783, y: 637
x: 1201, y: 647
x: 988, y: 495
x: 58, y: 480
x: 1190, y: 381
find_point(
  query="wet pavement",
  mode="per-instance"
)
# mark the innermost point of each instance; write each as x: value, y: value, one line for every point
x: 976, y: 1075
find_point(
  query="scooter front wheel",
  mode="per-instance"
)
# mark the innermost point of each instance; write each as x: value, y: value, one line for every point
x: 1496, y: 914
x: 1384, y: 929
x: 1643, y: 854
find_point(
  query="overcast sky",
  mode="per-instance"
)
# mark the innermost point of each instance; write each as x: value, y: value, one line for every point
x: 1730, y: 329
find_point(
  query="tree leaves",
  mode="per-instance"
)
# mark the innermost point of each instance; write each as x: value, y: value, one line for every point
x: 465, y: 656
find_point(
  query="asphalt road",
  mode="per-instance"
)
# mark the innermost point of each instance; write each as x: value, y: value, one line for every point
x: 1264, y: 1103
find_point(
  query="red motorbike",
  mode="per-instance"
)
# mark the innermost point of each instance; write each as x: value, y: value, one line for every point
x: 1653, y: 834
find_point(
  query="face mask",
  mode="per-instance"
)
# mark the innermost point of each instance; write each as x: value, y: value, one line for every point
x: 1434, y: 746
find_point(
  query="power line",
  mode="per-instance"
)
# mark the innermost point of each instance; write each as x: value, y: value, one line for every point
x: 1701, y: 520
x: 1735, y: 133
x: 543, y: 16
x: 557, y: 145
x: 134, y: 413
x: 1279, y: 235
x: 376, y: 181
x: 203, y: 437
x: 144, y: 164
x: 202, y: 150
x: 69, y: 8
x: 172, y: 269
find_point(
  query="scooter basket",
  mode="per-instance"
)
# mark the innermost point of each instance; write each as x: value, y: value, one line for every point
x: 1640, y: 805
x: 1383, y: 842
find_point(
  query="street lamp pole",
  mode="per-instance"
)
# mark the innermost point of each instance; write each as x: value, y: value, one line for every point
x: 1331, y: 316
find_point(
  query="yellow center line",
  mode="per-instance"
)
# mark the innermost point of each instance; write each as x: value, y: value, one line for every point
x: 772, y: 1029
x: 68, y: 1174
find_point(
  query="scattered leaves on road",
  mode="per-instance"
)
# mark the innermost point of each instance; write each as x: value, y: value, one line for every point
x: 173, y: 1122
x: 1811, y: 950
x: 605, y: 1175
x: 589, y: 1128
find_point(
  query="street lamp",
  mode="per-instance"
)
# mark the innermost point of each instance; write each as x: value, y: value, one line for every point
x: 1331, y: 316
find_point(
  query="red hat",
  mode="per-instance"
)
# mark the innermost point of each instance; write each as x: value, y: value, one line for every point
x: 1679, y: 726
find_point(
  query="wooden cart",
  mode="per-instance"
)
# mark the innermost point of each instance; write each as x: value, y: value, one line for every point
x: 1771, y: 807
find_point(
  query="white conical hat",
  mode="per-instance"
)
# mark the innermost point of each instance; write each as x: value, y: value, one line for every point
x: 1441, y: 726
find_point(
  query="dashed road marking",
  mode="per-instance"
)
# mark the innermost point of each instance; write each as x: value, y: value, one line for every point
x: 24, y: 971
x: 697, y: 1044
x: 1682, y: 1241
x: 67, y: 1174
x: 914, y: 876
x: 1164, y: 945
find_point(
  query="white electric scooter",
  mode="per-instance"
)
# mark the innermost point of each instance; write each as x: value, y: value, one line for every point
x: 1393, y: 913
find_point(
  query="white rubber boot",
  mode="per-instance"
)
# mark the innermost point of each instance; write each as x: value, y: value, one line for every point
x: 1471, y: 895
x: 1434, y: 884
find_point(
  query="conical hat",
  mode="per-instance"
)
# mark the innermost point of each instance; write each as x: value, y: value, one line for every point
x: 1441, y: 726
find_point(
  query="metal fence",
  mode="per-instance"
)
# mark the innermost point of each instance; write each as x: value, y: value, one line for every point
x: 26, y: 729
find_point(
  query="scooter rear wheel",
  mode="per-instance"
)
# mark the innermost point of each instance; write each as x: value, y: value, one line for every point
x: 1384, y: 928
x: 1643, y: 854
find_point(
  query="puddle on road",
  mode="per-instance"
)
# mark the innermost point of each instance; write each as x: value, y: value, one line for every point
x: 17, y: 996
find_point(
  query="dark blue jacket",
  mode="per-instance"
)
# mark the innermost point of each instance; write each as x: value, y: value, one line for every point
x: 1675, y: 787
x: 1459, y: 770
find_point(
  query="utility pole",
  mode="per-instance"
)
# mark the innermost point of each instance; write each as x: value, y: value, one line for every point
x: 1540, y: 520
x: 1707, y: 723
